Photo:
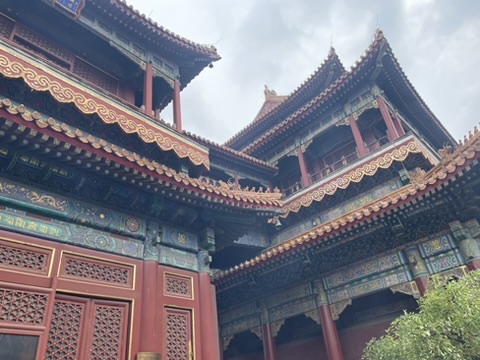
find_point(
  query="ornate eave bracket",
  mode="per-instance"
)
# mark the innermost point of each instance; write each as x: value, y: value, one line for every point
x: 338, y: 308
x: 409, y: 288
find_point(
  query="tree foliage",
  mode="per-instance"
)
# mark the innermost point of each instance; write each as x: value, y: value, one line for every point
x: 447, y: 325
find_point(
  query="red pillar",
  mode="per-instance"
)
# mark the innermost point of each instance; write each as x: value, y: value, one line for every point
x: 357, y: 136
x: 399, y: 126
x: 392, y: 130
x: 303, y: 168
x: 330, y: 335
x: 269, y: 346
x: 422, y: 283
x: 148, y: 90
x: 149, y: 339
x: 177, y: 113
x: 208, y: 319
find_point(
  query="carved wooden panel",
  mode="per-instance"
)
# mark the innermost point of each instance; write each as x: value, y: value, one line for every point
x: 176, y: 285
x: 95, y: 76
x: 22, y: 307
x: 65, y: 330
x: 24, y: 258
x: 109, y: 331
x: 96, y: 270
x: 178, y: 330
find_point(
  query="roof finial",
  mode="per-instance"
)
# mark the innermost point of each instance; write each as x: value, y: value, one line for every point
x: 269, y: 92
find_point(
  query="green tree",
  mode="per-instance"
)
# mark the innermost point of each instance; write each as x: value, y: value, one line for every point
x: 447, y: 325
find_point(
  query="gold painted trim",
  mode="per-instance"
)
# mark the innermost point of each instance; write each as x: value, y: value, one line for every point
x: 381, y: 162
x: 179, y: 276
x: 69, y: 92
x: 98, y: 283
x: 50, y: 265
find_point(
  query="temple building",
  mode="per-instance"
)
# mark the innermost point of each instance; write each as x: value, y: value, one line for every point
x: 126, y: 237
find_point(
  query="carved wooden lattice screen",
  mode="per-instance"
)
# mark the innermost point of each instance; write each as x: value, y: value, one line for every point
x: 83, y: 329
x: 178, y: 334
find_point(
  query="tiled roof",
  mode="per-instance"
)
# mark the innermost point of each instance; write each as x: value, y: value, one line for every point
x: 200, y: 187
x: 152, y: 26
x: 355, y: 175
x: 65, y: 91
x: 232, y: 154
x: 295, y: 100
x: 340, y: 85
x: 450, y: 166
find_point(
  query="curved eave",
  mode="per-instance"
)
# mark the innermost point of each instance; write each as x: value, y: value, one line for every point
x: 230, y: 155
x: 157, y: 174
x: 394, y: 79
x: 41, y: 77
x: 449, y: 169
x: 362, y: 69
x: 306, y: 91
x: 126, y: 15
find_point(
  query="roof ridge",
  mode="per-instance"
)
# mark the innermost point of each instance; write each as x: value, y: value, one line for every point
x: 207, y: 49
x: 378, y: 37
x: 332, y: 56
x: 229, y: 149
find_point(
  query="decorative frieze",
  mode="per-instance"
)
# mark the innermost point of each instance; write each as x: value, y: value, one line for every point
x: 70, y: 210
x: 436, y: 246
x: 289, y: 295
x: 444, y: 261
x: 369, y: 285
x: 178, y: 258
x: 74, y: 234
x: 244, y: 324
x: 292, y: 308
x: 179, y: 238
x: 366, y: 269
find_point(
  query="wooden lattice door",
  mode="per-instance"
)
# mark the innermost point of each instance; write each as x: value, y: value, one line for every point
x: 84, y: 328
x: 178, y: 334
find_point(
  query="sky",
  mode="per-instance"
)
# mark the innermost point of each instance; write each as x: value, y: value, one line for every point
x: 280, y: 43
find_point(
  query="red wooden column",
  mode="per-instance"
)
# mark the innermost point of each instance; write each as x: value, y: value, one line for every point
x: 149, y: 336
x: 418, y: 268
x: 269, y: 345
x: 177, y: 113
x: 306, y: 181
x: 392, y: 130
x: 466, y: 235
x: 330, y: 335
x: 208, y: 319
x: 357, y: 136
x: 399, y: 126
x: 148, y: 90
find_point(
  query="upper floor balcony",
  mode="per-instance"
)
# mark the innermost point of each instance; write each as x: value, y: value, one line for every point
x: 381, y: 154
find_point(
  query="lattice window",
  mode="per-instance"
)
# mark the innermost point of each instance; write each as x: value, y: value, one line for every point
x: 22, y: 306
x: 95, y: 76
x: 64, y: 336
x: 178, y: 335
x: 13, y: 255
x: 97, y: 271
x: 6, y: 26
x: 108, y: 332
x: 178, y: 286
x: 43, y: 46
